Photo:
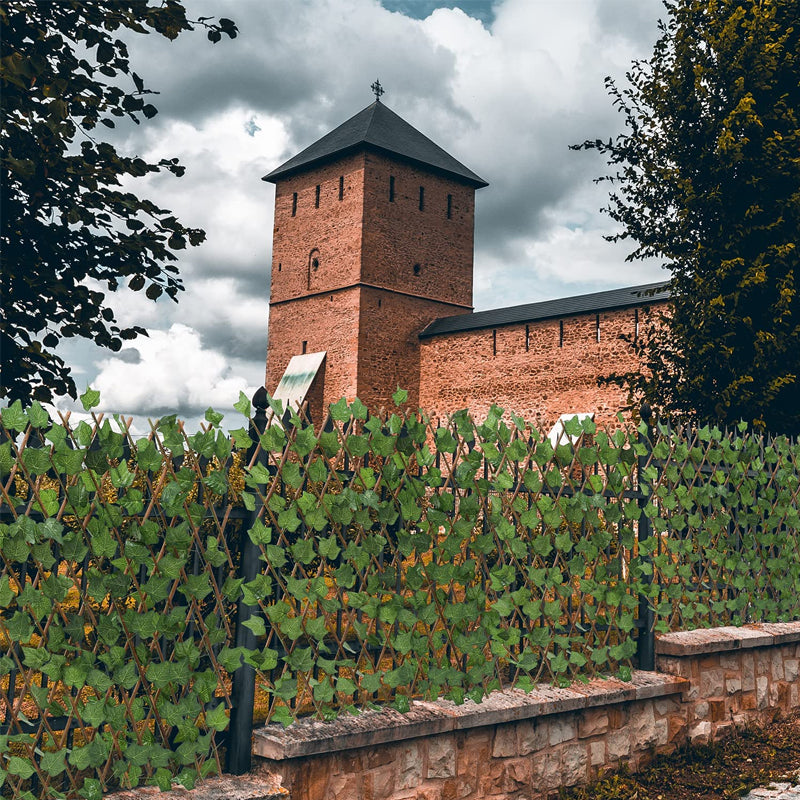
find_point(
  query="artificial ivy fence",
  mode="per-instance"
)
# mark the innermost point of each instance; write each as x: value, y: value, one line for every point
x: 376, y: 560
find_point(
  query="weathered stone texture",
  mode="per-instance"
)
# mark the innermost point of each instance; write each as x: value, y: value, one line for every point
x: 531, y: 745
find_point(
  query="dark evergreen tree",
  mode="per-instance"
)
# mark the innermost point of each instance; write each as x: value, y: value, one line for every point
x: 706, y: 177
x: 69, y: 232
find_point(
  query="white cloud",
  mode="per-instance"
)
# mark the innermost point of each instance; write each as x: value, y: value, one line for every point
x: 506, y: 99
x: 174, y: 372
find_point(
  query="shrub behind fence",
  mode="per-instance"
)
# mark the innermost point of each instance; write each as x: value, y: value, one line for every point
x: 152, y: 588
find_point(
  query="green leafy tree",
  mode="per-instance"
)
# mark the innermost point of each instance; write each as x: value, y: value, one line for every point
x: 70, y: 232
x: 706, y: 177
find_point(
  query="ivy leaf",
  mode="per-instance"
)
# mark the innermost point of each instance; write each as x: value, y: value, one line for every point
x: 6, y: 459
x: 214, y: 417
x: 6, y: 592
x: 92, y: 789
x: 37, y: 416
x: 20, y: 766
x: 399, y: 396
x: 217, y: 718
x: 90, y: 399
x: 19, y: 627
x: 53, y: 763
x: 340, y: 411
x: 256, y: 624
x: 14, y: 417
x: 242, y: 405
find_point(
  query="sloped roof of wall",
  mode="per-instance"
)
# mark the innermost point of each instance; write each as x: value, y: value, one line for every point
x: 379, y: 128
x: 562, y: 307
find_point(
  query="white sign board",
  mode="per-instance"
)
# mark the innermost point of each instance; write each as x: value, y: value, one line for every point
x: 558, y: 434
x: 297, y: 379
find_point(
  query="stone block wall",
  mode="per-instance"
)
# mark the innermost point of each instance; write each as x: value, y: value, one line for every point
x: 518, y: 746
x: 737, y: 676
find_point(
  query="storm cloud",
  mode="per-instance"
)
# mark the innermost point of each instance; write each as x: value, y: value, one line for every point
x: 504, y: 86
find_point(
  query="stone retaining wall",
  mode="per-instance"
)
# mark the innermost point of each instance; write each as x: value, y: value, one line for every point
x: 516, y: 746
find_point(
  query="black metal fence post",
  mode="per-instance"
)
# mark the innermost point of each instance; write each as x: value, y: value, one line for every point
x: 646, y: 644
x: 243, y: 690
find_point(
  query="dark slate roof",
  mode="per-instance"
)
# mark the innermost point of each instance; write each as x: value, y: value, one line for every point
x: 563, y: 307
x: 379, y: 128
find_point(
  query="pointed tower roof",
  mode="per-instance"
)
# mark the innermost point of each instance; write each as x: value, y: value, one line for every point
x: 378, y: 128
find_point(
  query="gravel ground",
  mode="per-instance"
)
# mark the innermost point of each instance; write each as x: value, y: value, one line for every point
x: 778, y: 791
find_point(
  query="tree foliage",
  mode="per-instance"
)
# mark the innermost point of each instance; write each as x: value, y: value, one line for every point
x: 70, y: 230
x: 707, y: 178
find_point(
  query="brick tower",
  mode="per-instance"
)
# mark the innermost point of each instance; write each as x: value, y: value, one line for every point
x: 373, y: 240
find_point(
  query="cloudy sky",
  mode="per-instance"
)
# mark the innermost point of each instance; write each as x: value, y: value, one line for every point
x: 503, y: 85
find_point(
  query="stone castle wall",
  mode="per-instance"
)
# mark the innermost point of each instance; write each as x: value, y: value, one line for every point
x: 370, y: 249
x: 360, y: 273
x: 518, y: 746
x: 537, y: 370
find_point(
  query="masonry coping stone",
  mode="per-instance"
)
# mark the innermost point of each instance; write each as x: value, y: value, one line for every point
x: 225, y: 787
x: 307, y: 737
x: 726, y: 639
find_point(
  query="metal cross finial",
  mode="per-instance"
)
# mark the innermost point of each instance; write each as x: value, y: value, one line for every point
x: 377, y: 90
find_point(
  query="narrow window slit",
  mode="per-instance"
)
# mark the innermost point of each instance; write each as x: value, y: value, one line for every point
x: 294, y: 204
x: 316, y: 197
x: 391, y: 188
x: 561, y: 333
x: 341, y: 187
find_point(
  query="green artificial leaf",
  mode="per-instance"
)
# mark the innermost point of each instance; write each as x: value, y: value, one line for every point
x: 90, y: 399
x: 37, y: 416
x: 242, y: 405
x: 400, y: 396
x: 53, y: 763
x: 6, y: 458
x: 6, y: 592
x: 256, y: 624
x: 340, y: 411
x: 13, y: 417
x: 216, y: 481
x: 241, y: 439
x: 20, y: 766
x: 20, y: 627
x: 214, y: 417
x: 217, y: 718
x: 92, y: 789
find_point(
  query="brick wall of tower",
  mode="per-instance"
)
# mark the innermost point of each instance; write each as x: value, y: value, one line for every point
x: 370, y: 331
x: 388, y: 344
x: 332, y: 228
x: 327, y: 321
x: 417, y: 250
x: 553, y: 373
x: 317, y: 314
x: 423, y: 256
